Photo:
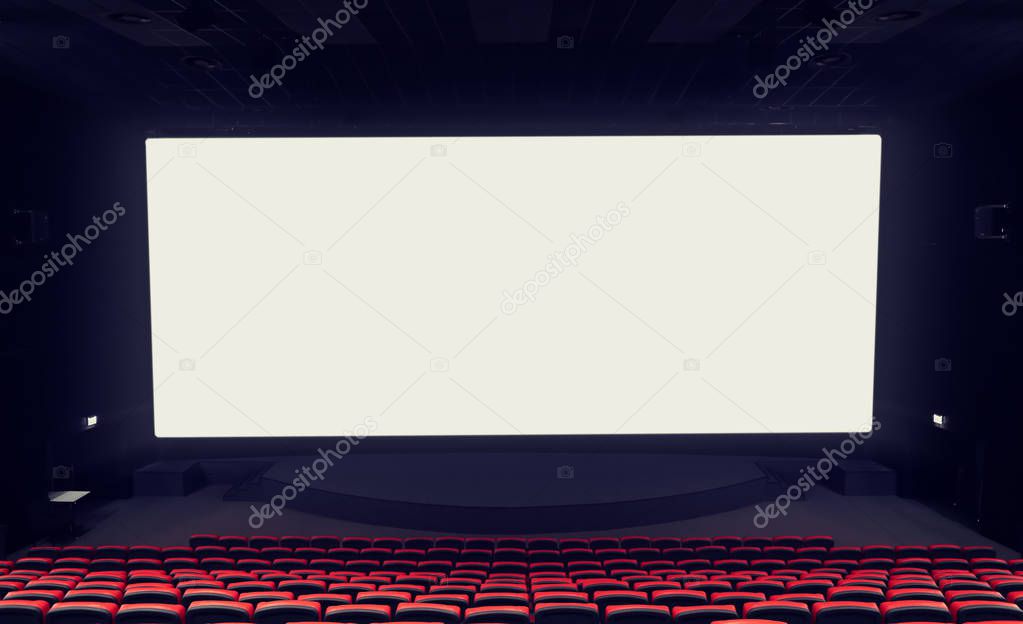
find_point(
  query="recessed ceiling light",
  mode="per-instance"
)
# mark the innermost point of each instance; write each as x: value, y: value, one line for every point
x: 898, y: 16
x: 201, y: 62
x: 130, y: 18
x: 832, y: 60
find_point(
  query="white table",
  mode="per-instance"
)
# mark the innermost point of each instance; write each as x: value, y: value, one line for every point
x: 68, y: 497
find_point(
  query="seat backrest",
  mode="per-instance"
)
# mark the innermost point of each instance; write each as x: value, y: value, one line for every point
x: 428, y: 612
x: 358, y: 614
x: 82, y: 613
x: 901, y: 611
x: 845, y: 612
x: 284, y: 611
x: 211, y: 611
x: 984, y: 610
x: 637, y: 614
x: 788, y: 612
x: 23, y: 611
x: 150, y: 614
x: 566, y: 613
x: 703, y: 614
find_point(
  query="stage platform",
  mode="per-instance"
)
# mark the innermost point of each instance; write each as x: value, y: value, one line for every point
x: 517, y: 492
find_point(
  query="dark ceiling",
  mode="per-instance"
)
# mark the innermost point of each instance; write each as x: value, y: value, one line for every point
x: 665, y: 55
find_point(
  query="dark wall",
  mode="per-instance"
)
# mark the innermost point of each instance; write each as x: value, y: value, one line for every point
x: 942, y: 295
x: 83, y: 346
x: 33, y: 334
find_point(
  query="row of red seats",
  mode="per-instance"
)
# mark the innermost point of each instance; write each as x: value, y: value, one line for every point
x: 614, y: 590
x: 453, y: 595
x: 452, y: 600
x: 236, y: 547
x: 295, y: 611
x: 581, y: 568
x: 534, y: 543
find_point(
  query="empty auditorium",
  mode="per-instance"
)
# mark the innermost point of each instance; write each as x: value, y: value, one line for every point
x: 511, y: 312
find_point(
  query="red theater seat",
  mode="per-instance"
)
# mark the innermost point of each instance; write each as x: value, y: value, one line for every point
x: 783, y: 611
x: 217, y: 612
x: 738, y: 599
x: 427, y: 612
x: 150, y: 614
x: 112, y: 596
x: 703, y: 614
x: 984, y: 610
x: 151, y: 594
x: 914, y: 611
x: 9, y: 586
x: 256, y: 597
x: 208, y: 594
x: 285, y: 611
x: 856, y: 593
x: 672, y: 598
x: 605, y: 599
x: 358, y: 614
x: 81, y: 613
x: 49, y: 596
x: 498, y: 615
x: 845, y: 612
x: 23, y: 611
x: 327, y: 600
x: 566, y: 613
x: 637, y: 614
x: 915, y: 593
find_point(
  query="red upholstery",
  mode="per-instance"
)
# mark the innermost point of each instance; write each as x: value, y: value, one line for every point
x: 984, y: 610
x: 779, y: 610
x: 82, y: 613
x: 509, y: 580
x: 845, y: 612
x: 566, y: 613
x: 358, y: 614
x: 211, y: 611
x: 914, y: 611
x: 427, y: 612
x: 703, y: 614
x: 150, y: 614
x: 637, y: 614
x: 23, y: 611
x: 498, y: 615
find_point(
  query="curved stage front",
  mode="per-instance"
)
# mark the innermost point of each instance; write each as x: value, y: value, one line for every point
x: 521, y: 492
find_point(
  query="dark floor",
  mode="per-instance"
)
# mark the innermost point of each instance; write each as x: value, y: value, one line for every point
x: 166, y: 521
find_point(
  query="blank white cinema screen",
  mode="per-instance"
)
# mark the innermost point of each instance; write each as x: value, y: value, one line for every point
x: 425, y: 286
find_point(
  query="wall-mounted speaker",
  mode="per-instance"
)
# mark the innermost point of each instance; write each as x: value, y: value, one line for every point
x: 992, y: 222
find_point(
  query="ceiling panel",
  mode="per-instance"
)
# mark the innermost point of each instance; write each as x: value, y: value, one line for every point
x: 303, y: 17
x: 511, y: 21
x: 701, y: 21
